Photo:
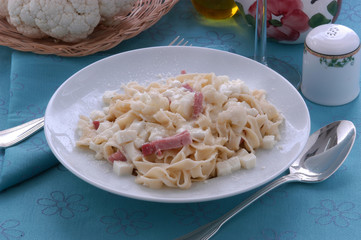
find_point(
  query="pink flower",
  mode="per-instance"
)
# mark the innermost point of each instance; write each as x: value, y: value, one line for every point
x: 285, y: 19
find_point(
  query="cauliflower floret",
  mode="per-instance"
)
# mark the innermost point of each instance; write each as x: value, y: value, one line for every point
x: 69, y: 21
x: 110, y: 8
x: 4, y: 8
x: 23, y: 19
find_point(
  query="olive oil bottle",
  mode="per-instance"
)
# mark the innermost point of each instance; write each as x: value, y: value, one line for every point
x: 216, y: 9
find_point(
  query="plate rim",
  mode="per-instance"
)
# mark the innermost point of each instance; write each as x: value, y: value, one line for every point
x: 150, y: 197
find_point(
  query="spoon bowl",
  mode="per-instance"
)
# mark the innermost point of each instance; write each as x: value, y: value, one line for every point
x: 325, y: 151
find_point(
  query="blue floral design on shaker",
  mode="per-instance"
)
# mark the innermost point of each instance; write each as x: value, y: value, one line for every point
x: 128, y: 223
x: 64, y: 206
x: 330, y: 213
x: 197, y: 214
x: 8, y: 230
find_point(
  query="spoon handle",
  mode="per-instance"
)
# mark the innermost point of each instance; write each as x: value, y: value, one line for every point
x: 16, y: 134
x: 207, y: 231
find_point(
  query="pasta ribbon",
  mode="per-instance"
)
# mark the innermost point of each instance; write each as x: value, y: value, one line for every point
x: 186, y: 129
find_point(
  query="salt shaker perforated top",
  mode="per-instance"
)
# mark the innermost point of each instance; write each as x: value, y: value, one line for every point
x: 331, y: 65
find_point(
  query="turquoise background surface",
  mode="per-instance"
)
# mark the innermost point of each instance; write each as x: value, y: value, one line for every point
x: 40, y: 199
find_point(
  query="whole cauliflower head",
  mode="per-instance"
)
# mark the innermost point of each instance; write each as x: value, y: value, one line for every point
x: 66, y: 20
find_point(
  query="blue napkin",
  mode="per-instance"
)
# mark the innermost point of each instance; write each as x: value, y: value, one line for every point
x: 33, y: 80
x: 5, y: 62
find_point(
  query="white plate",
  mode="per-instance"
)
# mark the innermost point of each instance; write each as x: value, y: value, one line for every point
x: 82, y: 93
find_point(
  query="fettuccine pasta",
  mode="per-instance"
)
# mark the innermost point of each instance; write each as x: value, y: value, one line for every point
x: 188, y: 128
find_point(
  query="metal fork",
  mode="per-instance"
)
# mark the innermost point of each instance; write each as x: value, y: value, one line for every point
x: 12, y: 136
x: 180, y: 43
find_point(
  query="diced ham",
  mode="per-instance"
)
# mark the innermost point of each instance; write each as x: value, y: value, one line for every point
x: 96, y: 124
x: 188, y: 87
x: 179, y: 140
x: 117, y: 156
x: 198, y: 101
x: 149, y: 148
x: 198, y: 104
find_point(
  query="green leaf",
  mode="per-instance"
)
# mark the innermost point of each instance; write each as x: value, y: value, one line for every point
x: 332, y: 8
x: 275, y: 23
x: 317, y: 20
x: 250, y: 20
x: 240, y: 8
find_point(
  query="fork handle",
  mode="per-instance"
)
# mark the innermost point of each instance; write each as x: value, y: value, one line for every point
x: 12, y: 136
x: 207, y: 231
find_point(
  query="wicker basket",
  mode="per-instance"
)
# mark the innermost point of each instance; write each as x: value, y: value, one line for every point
x: 145, y: 14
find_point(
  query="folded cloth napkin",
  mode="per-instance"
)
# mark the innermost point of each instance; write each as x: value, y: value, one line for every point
x: 33, y: 80
x: 5, y: 62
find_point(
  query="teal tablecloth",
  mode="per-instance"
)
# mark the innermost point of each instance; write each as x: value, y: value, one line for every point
x: 40, y: 199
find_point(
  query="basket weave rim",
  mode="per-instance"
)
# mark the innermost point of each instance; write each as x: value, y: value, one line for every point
x: 144, y: 15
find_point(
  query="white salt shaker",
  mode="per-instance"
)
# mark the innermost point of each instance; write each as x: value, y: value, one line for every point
x: 331, y: 65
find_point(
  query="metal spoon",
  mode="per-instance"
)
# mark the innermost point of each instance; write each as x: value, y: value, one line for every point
x: 12, y: 136
x: 324, y: 153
